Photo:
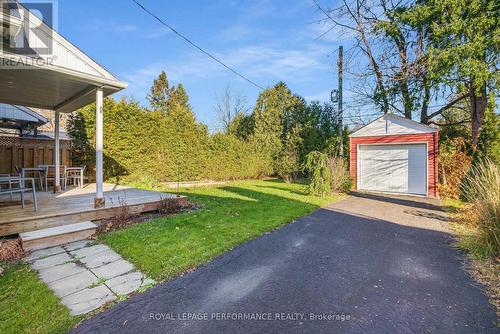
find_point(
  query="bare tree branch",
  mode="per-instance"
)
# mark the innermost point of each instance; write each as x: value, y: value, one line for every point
x: 229, y: 105
x: 331, y: 18
x: 451, y: 124
x: 447, y: 106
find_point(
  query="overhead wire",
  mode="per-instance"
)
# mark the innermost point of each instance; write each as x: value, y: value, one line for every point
x: 196, y: 46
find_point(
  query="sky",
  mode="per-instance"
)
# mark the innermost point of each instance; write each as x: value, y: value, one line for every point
x: 266, y: 40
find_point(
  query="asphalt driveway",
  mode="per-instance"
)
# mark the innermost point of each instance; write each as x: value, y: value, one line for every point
x: 367, y: 264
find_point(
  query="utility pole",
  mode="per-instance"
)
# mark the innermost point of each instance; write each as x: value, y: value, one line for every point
x: 336, y: 96
x: 340, y: 110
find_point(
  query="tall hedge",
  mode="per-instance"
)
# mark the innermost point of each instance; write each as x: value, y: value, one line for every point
x: 166, y: 146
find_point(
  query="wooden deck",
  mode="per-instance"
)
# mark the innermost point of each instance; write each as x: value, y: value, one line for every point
x: 73, y: 206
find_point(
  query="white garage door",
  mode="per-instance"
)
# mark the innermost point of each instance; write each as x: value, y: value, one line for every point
x: 393, y: 168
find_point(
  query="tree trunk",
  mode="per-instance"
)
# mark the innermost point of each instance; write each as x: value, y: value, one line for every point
x: 478, y: 105
x: 403, y: 77
x: 424, y: 117
x: 376, y: 69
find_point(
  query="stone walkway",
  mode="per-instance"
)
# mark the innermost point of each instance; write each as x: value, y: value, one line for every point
x: 86, y: 275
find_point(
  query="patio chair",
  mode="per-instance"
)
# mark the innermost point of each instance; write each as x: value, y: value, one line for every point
x: 19, y: 172
x: 21, y: 189
x: 50, y: 174
x: 8, y: 183
x: 75, y: 176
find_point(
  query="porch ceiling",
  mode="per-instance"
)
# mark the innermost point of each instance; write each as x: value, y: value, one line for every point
x: 50, y: 88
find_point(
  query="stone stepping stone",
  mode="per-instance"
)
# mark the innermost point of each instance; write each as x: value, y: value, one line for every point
x: 86, y: 275
x: 73, y: 283
x: 89, y: 251
x: 77, y: 245
x: 51, y: 261
x: 125, y: 284
x: 100, y: 259
x: 44, y: 253
x: 113, y: 269
x: 88, y: 299
x: 49, y: 275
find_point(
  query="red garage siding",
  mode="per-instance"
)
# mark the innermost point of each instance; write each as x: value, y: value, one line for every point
x: 432, y: 143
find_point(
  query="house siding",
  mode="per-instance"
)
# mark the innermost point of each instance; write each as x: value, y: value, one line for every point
x: 432, y: 152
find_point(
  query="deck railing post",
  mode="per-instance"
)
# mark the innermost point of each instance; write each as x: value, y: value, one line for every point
x: 99, y: 195
x: 57, y: 153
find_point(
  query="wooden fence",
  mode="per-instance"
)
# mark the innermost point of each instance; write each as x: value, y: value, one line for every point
x: 30, y: 152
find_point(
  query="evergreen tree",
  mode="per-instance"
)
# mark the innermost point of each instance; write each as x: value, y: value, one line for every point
x: 273, y: 114
x: 319, y: 129
x: 177, y: 96
x: 488, y: 146
x: 463, y: 48
x: 159, y: 93
x: 186, y: 148
x: 241, y: 126
x: 169, y: 144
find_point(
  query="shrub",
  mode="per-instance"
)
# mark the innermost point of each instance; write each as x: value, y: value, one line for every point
x: 340, y: 178
x: 321, y: 175
x: 481, y: 187
x: 454, y: 162
x: 286, y: 166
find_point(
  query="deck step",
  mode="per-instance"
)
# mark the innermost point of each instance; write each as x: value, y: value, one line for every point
x: 59, y: 235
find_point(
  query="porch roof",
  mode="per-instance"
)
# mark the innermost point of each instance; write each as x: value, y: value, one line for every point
x: 19, y: 117
x: 63, y: 79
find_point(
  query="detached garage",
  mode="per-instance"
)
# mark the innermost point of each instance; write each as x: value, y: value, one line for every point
x: 395, y: 155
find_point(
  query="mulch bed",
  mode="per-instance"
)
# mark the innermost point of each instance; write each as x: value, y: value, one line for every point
x: 11, y: 250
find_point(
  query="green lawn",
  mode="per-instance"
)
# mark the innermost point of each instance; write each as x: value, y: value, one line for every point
x: 27, y: 305
x: 231, y: 214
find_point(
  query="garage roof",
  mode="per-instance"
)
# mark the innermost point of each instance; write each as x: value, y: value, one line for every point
x: 390, y: 124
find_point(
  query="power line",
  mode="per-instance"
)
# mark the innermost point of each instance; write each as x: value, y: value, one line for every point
x: 196, y: 46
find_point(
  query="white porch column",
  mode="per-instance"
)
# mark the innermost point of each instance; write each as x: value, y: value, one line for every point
x: 57, y: 154
x: 99, y: 195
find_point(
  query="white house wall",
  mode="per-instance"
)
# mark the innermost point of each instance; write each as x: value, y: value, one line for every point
x: 64, y: 54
